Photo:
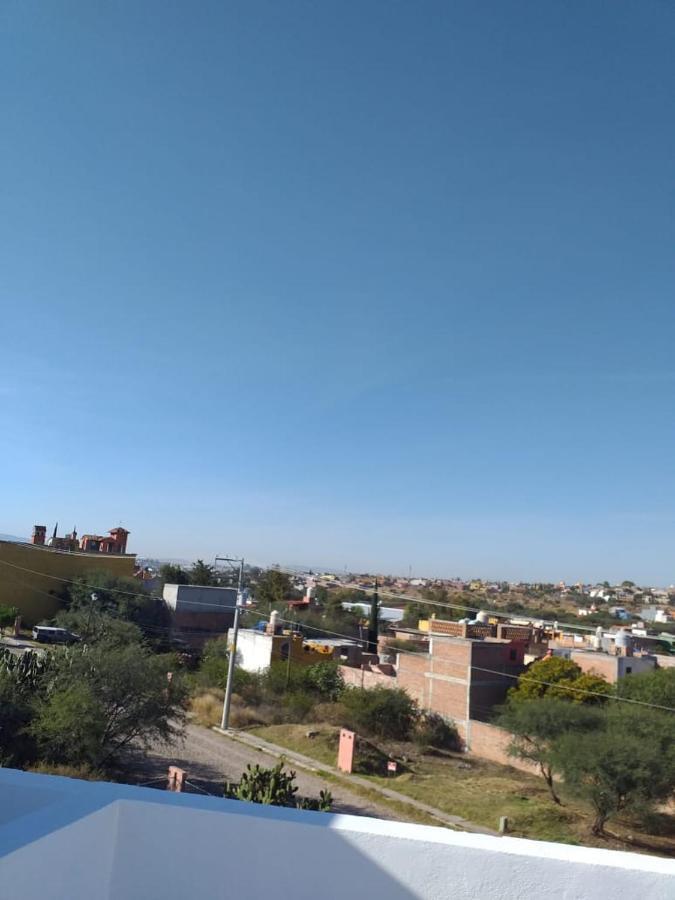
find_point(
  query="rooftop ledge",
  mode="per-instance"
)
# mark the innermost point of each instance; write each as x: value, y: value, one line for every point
x: 62, y: 839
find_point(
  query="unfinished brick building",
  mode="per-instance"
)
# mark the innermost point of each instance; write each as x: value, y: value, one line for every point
x: 462, y: 678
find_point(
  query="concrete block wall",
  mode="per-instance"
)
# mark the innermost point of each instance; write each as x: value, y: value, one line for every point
x: 363, y: 678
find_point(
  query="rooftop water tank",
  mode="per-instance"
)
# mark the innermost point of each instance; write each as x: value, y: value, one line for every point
x: 623, y: 639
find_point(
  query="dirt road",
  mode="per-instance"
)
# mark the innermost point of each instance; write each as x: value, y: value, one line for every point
x: 210, y: 759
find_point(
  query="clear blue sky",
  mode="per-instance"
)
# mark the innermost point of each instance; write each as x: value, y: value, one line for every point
x: 373, y: 284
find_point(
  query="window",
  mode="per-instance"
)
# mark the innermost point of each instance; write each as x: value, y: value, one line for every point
x: 629, y: 669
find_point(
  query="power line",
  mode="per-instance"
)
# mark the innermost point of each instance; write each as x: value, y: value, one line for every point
x: 352, y: 638
x: 505, y: 674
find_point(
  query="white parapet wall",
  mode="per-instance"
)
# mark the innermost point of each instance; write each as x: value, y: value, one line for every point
x: 68, y: 840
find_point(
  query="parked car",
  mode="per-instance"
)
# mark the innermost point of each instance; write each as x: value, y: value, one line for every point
x: 47, y: 634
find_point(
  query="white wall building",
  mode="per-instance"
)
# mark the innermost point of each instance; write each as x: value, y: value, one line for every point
x: 254, y: 650
x: 62, y: 839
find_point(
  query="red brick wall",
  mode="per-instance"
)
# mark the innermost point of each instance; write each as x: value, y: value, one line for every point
x: 411, y: 676
x: 462, y: 630
x: 438, y: 681
x: 514, y: 632
x: 440, y: 626
x: 489, y: 742
x: 481, y: 631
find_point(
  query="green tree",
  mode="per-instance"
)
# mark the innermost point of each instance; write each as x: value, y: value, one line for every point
x: 202, y: 574
x: 101, y: 593
x: 7, y: 616
x: 545, y: 676
x: 109, y: 697
x: 16, y: 747
x: 70, y: 725
x: 629, y: 765
x: 273, y: 587
x: 535, y: 726
x: 172, y: 573
x: 657, y: 687
x: 588, y: 688
x: 95, y: 626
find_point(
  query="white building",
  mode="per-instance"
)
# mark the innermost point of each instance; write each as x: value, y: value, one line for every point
x: 385, y: 613
x: 62, y: 839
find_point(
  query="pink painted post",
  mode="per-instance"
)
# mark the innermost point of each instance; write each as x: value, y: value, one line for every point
x: 177, y: 778
x: 345, y: 760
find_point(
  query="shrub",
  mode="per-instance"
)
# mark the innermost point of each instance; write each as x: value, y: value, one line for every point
x: 330, y: 713
x: 281, y: 678
x: 434, y: 731
x: 325, y: 679
x: 297, y: 706
x: 381, y: 712
x: 215, y: 660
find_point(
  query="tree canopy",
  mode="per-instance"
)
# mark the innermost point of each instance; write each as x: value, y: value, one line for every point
x: 101, y: 593
x: 537, y: 723
x: 656, y: 687
x: 172, y: 573
x: 273, y: 587
x: 202, y: 574
x: 555, y: 676
x: 627, y: 765
x: 96, y: 700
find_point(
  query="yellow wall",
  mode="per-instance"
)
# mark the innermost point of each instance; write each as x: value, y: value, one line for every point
x: 301, y: 652
x: 33, y: 591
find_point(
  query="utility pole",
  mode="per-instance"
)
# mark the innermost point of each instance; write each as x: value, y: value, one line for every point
x: 94, y: 600
x: 373, y: 622
x: 224, y: 724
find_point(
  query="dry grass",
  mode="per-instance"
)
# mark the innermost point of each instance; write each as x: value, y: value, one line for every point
x: 481, y: 792
x: 207, y: 708
x: 244, y: 716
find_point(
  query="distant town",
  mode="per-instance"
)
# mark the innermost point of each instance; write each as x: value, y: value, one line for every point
x: 468, y: 685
